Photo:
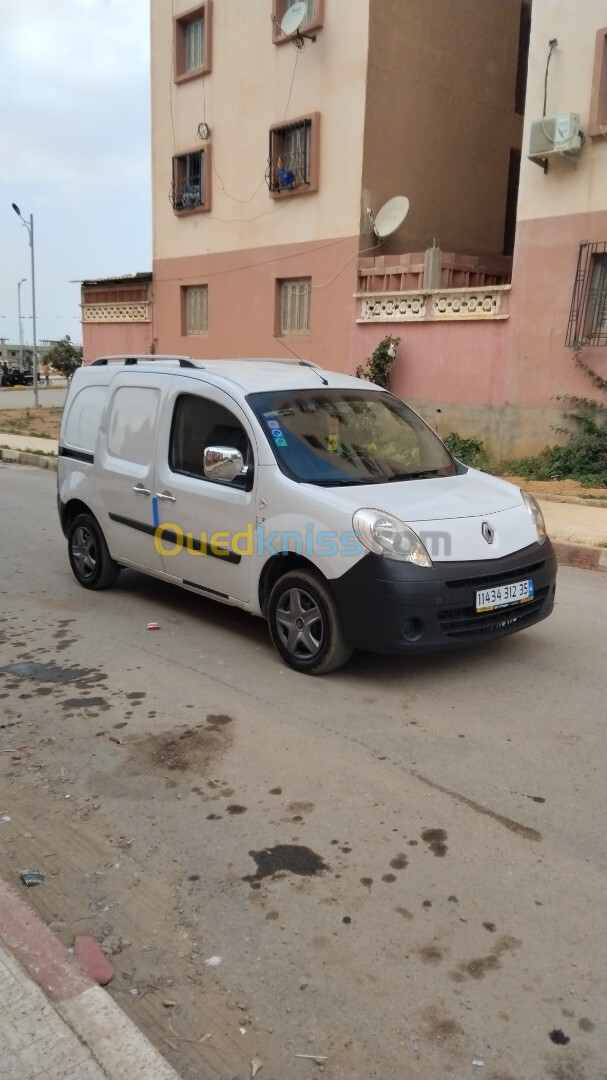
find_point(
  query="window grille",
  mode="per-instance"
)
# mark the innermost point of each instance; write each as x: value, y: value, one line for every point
x: 295, y: 306
x: 196, y: 309
x: 588, y: 314
x: 290, y: 156
x: 194, y: 44
x: 188, y: 189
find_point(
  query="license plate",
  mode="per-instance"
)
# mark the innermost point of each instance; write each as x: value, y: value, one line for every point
x: 518, y: 592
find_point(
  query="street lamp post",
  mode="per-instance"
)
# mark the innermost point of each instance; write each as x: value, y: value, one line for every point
x: 30, y: 229
x: 19, y: 284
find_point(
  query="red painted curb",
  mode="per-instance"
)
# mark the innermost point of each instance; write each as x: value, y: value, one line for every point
x: 44, y: 958
x: 88, y: 953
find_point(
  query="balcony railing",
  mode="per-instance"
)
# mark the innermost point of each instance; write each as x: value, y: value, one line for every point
x: 432, y: 269
x: 433, y: 305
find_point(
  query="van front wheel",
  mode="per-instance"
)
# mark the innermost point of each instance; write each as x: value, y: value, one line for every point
x: 90, y: 560
x: 305, y: 625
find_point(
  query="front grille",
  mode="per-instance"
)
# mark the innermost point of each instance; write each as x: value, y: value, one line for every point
x: 466, y: 622
x: 519, y: 573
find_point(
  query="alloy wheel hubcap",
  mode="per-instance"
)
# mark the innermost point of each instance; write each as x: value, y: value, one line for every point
x: 84, y: 552
x: 300, y: 623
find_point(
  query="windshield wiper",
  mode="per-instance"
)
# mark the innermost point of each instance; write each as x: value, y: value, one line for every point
x: 421, y: 475
x: 335, y: 483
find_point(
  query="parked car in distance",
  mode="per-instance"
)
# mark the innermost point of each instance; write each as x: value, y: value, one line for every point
x: 316, y: 500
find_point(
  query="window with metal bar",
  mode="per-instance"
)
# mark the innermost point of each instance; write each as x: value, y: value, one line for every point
x: 588, y: 315
x: 295, y: 306
x: 189, y: 187
x: 195, y: 307
x: 293, y: 160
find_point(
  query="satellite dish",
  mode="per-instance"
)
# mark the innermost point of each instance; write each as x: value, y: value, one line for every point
x: 293, y: 18
x: 390, y: 216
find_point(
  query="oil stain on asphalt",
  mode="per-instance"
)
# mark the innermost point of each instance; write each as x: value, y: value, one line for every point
x: 292, y: 858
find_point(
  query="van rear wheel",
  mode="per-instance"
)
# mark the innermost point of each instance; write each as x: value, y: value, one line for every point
x: 305, y: 625
x: 90, y: 560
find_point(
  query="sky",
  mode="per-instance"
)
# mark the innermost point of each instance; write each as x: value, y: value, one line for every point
x: 75, y: 151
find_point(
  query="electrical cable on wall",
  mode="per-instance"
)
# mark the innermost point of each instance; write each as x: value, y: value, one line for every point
x: 552, y: 46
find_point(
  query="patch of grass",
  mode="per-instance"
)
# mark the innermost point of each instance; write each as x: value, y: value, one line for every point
x: 40, y: 423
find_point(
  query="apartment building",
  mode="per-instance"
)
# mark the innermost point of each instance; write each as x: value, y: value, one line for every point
x: 273, y: 153
x: 559, y: 282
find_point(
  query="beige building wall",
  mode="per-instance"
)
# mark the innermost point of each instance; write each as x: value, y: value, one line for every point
x: 440, y: 119
x: 559, y: 211
x: 254, y: 84
x: 569, y: 187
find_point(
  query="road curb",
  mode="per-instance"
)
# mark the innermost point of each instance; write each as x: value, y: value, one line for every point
x: 580, y: 555
x: 25, y: 457
x: 115, y: 1043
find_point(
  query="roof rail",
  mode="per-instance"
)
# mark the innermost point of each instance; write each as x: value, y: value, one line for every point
x: 134, y: 358
x: 271, y: 360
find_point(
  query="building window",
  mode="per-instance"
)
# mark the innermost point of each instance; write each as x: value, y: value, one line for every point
x: 294, y: 306
x: 588, y: 315
x: 315, y: 12
x: 192, y: 43
x: 293, y: 160
x: 597, y: 120
x: 195, y: 309
x: 190, y: 189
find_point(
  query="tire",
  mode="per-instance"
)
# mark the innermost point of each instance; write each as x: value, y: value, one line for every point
x: 90, y: 560
x: 304, y: 624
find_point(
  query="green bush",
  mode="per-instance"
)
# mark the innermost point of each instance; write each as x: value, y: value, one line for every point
x: 583, y: 457
x: 378, y: 366
x: 471, y: 452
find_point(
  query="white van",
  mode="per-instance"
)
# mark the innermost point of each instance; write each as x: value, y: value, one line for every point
x: 318, y: 501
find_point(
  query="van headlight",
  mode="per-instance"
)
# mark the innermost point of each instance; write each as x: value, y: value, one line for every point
x: 388, y: 536
x: 536, y: 515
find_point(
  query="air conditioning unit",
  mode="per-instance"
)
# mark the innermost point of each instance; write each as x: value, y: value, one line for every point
x: 553, y: 135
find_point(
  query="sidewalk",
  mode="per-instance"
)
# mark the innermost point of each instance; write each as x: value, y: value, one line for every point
x: 578, y: 531
x: 58, y: 1023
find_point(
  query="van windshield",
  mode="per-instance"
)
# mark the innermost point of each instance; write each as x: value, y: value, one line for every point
x: 338, y: 437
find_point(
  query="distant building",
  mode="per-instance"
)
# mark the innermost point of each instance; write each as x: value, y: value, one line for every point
x: 117, y: 315
x: 10, y: 353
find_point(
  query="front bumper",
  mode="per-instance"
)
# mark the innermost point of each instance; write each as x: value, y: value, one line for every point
x: 396, y: 608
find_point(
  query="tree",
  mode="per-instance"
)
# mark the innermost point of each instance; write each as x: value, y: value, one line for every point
x: 64, y: 357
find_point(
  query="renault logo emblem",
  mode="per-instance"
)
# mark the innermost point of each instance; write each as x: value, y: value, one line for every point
x: 488, y: 532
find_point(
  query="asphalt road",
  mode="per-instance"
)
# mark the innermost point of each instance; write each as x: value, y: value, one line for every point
x: 24, y: 398
x: 395, y: 868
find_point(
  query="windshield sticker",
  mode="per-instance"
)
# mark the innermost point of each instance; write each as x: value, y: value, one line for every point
x: 333, y: 438
x: 276, y: 432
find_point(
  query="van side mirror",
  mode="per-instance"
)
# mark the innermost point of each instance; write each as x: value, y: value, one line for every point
x: 223, y: 463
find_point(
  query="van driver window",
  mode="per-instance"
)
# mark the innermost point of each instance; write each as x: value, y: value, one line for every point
x: 197, y: 424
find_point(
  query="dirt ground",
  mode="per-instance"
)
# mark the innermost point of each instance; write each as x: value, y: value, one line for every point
x: 558, y: 487
x: 42, y: 422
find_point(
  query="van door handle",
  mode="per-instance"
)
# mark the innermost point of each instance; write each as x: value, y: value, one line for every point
x: 140, y: 490
x: 166, y: 495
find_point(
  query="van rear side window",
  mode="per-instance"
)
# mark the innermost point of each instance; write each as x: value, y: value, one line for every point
x: 132, y: 423
x: 82, y: 422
